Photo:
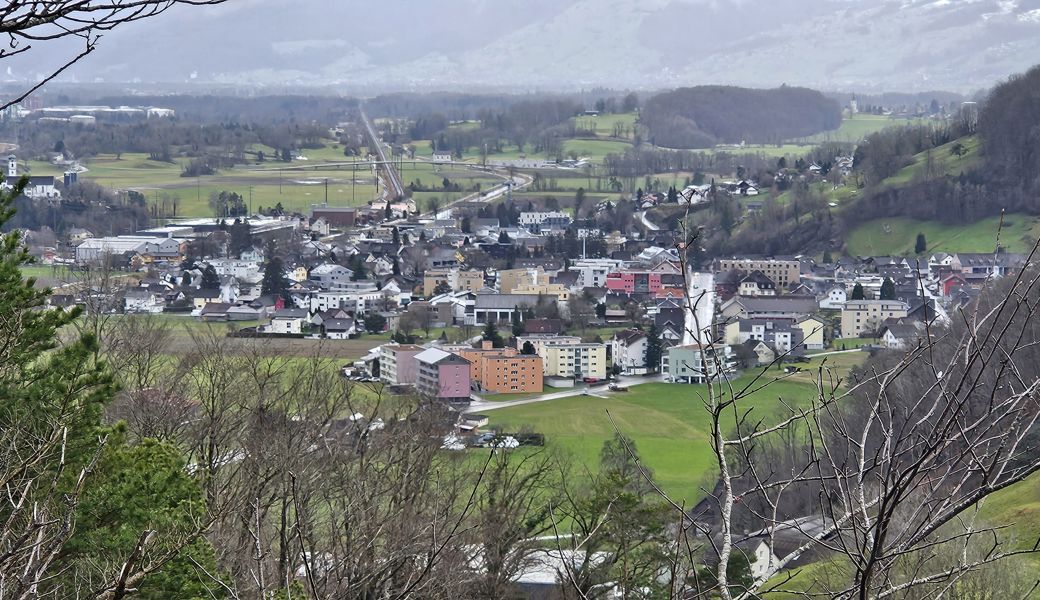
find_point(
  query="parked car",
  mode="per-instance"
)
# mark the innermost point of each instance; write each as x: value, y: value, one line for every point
x: 617, y: 388
x: 590, y: 380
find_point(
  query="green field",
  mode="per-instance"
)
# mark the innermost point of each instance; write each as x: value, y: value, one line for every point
x: 854, y: 129
x: 603, y: 125
x: 944, y: 161
x: 295, y: 185
x: 896, y: 236
x: 668, y: 423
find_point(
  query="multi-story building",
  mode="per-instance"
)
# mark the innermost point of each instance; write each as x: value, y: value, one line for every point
x: 592, y: 272
x: 634, y: 282
x: 535, y: 222
x: 541, y: 340
x: 397, y: 363
x: 552, y: 290
x: 457, y: 280
x: 866, y: 316
x: 442, y: 375
x: 784, y: 272
x: 694, y: 363
x: 628, y: 351
x: 503, y: 370
x: 575, y: 360
x: 510, y: 279
x: 330, y: 276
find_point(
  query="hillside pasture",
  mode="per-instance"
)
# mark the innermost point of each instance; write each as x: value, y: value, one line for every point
x: 897, y: 235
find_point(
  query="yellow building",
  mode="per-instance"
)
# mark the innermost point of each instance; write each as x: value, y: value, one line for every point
x: 575, y: 360
x: 557, y: 290
x: 456, y: 280
x: 866, y: 316
x: 510, y: 279
x: 813, y: 332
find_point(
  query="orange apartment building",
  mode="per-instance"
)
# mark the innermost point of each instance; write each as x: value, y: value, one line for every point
x: 503, y: 370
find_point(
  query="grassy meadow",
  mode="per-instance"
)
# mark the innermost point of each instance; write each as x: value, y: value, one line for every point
x: 897, y: 235
x: 667, y: 422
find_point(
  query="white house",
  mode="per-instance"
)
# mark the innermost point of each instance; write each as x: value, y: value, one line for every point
x: 331, y: 276
x: 143, y: 301
x: 834, y: 298
x: 628, y: 351
x: 287, y: 320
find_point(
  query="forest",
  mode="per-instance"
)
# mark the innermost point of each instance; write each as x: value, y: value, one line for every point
x: 703, y: 116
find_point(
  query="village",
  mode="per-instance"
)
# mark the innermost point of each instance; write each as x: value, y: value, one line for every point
x: 514, y: 318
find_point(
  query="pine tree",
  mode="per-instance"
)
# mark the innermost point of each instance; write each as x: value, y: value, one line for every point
x: 397, y: 237
x: 654, y: 349
x: 52, y: 398
x: 528, y: 349
x: 517, y: 322
x: 857, y: 292
x: 210, y: 279
x: 503, y: 237
x: 274, y: 282
x: 921, y: 244
x: 888, y: 289
x: 491, y: 335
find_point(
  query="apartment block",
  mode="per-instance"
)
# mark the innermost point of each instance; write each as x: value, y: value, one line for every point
x: 397, y: 363
x: 575, y: 360
x: 866, y: 316
x: 782, y: 272
x: 443, y: 376
x: 457, y: 280
x: 503, y: 370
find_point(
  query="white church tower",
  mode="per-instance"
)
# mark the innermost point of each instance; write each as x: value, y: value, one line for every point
x: 12, y: 166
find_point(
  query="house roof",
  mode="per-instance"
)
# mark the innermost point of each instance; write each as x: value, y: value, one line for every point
x: 436, y: 356
x: 629, y: 336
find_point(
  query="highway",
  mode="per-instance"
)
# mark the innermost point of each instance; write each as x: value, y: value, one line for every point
x: 386, y: 166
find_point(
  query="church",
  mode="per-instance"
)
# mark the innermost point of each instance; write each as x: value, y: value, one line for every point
x: 39, y: 187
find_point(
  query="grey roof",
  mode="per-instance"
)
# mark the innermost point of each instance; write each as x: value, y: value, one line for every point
x: 436, y: 356
x: 290, y: 313
x: 505, y: 301
x: 792, y: 304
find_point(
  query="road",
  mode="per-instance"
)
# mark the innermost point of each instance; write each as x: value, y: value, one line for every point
x: 699, y: 321
x: 646, y: 222
x: 482, y: 406
x: 387, y: 167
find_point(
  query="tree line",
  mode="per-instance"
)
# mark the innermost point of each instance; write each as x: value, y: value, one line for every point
x: 703, y: 116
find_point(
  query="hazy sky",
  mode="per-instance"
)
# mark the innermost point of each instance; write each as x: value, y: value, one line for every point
x: 960, y: 45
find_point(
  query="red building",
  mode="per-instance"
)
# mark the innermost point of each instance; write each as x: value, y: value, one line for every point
x: 634, y: 282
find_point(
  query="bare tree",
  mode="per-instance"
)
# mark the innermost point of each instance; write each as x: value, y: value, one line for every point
x: 28, y: 22
x: 887, y: 472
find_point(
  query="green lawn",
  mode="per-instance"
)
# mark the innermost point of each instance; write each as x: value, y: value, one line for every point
x: 897, y: 236
x: 668, y: 423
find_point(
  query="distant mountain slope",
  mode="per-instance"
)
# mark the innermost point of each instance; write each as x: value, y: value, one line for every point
x: 960, y: 45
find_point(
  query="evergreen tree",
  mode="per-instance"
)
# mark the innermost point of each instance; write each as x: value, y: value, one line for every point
x: 397, y: 237
x: 466, y: 226
x: 921, y: 244
x: 210, y: 279
x: 396, y: 267
x: 274, y: 282
x: 517, y: 322
x: 503, y: 237
x: 528, y: 349
x: 888, y: 289
x: 857, y: 292
x: 579, y: 200
x: 654, y: 349
x: 75, y: 485
x: 491, y: 335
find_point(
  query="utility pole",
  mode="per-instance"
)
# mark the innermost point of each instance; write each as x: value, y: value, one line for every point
x: 326, y: 191
x: 250, y: 199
